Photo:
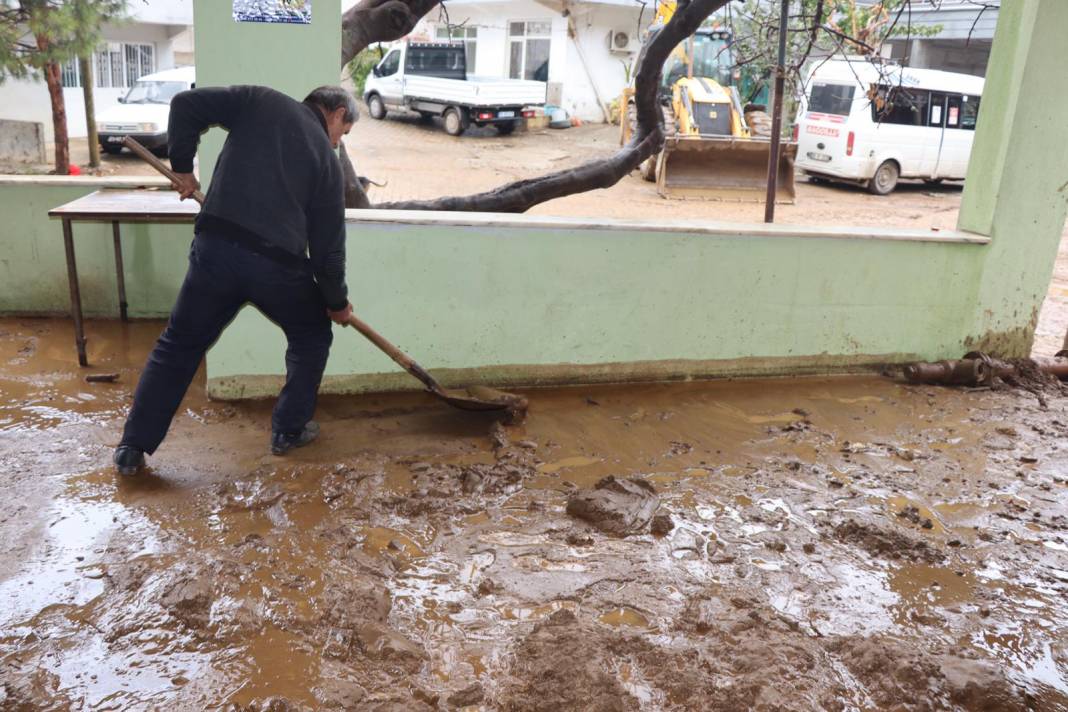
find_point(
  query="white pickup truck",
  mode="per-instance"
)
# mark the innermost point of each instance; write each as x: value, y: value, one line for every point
x: 431, y: 79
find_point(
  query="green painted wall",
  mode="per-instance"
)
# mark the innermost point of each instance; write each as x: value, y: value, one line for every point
x: 290, y: 58
x: 33, y: 271
x: 1017, y: 188
x: 503, y: 299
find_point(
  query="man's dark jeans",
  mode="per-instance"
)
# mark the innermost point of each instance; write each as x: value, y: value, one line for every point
x: 222, y: 277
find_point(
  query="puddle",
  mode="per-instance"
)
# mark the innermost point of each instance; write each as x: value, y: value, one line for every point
x: 624, y: 617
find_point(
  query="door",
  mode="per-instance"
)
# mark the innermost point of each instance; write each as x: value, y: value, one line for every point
x: 936, y: 119
x: 390, y: 84
x: 961, y: 113
x: 902, y: 129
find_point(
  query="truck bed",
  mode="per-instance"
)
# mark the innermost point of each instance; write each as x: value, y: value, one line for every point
x: 475, y: 91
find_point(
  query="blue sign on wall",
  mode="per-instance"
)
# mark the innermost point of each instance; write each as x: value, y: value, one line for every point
x: 287, y: 11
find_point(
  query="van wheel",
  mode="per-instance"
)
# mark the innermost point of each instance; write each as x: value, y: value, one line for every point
x: 376, y: 107
x: 454, y: 121
x: 885, y: 179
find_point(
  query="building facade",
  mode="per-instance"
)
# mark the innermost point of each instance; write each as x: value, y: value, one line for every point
x: 583, y: 50
x: 156, y: 35
x: 961, y: 45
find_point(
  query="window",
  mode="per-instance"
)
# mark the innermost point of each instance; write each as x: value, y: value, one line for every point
x: 115, y: 65
x: 71, y: 73
x: 154, y: 92
x: 898, y: 105
x: 831, y: 99
x: 445, y: 62
x: 969, y: 112
x: 390, y: 64
x: 467, y: 35
x: 528, y: 56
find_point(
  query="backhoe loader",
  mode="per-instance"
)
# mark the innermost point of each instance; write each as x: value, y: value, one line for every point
x: 715, y: 149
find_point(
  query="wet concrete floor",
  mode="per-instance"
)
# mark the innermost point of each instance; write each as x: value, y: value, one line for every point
x: 834, y: 544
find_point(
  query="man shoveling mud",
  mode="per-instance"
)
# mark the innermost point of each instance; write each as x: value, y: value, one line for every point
x: 276, y: 195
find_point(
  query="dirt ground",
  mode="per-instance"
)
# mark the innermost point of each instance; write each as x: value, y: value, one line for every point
x: 821, y: 544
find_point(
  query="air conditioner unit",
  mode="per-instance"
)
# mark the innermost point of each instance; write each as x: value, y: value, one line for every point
x: 622, y: 42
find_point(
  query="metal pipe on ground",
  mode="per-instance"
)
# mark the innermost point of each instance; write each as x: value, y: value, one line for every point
x: 978, y: 370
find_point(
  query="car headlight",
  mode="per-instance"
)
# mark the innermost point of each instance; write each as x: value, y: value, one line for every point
x: 149, y: 128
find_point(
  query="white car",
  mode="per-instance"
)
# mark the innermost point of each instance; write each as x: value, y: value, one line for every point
x: 144, y: 111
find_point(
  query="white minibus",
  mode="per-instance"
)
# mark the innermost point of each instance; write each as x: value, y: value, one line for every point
x: 873, y: 124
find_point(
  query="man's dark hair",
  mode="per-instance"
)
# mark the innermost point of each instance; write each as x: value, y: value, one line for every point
x: 331, y: 98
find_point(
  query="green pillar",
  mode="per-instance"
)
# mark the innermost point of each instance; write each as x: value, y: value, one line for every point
x: 290, y: 58
x: 1017, y: 186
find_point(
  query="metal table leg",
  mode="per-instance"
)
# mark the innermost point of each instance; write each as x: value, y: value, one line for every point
x: 75, y: 294
x: 119, y: 270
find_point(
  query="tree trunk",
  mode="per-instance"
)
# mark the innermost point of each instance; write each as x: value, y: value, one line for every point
x: 86, y: 70
x: 59, y: 117
x: 59, y: 109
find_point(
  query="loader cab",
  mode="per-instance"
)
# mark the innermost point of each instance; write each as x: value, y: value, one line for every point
x: 712, y: 58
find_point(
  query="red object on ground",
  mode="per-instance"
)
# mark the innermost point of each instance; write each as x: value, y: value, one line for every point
x: 74, y: 170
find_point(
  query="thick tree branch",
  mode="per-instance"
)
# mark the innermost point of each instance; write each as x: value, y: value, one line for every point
x: 373, y: 21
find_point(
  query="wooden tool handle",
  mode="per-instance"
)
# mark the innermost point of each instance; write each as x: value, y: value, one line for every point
x: 149, y: 158
x: 401, y: 358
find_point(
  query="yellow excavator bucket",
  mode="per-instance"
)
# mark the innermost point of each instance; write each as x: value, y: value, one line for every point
x: 723, y: 168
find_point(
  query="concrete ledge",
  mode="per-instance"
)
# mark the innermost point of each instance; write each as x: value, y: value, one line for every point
x: 539, y: 376
x: 88, y: 182
x: 689, y: 227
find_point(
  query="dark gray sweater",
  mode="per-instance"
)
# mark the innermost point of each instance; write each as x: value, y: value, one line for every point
x: 277, y: 177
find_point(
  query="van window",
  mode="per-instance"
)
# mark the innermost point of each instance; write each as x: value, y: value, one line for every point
x: 969, y: 112
x: 898, y: 105
x: 831, y: 99
x: 390, y: 64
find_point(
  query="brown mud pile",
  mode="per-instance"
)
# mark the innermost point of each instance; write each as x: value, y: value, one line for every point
x: 814, y: 544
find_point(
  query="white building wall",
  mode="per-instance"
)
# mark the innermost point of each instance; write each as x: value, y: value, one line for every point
x: 592, y: 23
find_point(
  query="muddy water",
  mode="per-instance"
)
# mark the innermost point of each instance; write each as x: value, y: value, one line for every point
x: 848, y: 543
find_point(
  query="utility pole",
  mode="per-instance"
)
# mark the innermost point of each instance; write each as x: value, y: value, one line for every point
x: 776, y: 116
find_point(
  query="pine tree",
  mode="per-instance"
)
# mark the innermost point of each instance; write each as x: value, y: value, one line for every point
x: 38, y: 36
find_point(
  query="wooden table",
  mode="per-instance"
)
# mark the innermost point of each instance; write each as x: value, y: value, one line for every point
x: 115, y: 207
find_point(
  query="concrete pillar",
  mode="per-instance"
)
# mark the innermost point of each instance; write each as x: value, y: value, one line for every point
x: 291, y: 58
x: 1017, y: 186
x: 918, y: 58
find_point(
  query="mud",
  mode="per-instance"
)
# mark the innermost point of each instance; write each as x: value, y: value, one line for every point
x: 418, y: 558
x: 616, y: 506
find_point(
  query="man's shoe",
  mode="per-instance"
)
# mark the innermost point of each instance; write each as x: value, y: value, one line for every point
x: 129, y: 460
x: 281, y: 443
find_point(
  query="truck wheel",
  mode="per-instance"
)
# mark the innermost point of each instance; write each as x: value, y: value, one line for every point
x: 885, y: 179
x: 506, y: 127
x: 376, y: 107
x: 454, y: 121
